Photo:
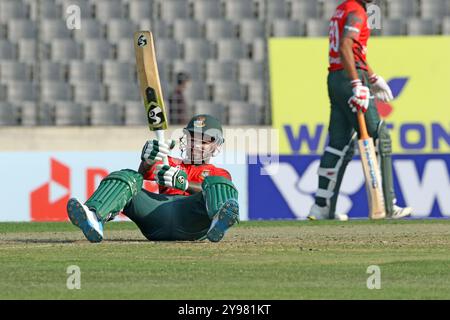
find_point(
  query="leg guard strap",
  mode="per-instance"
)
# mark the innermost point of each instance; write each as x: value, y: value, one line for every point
x: 330, y: 177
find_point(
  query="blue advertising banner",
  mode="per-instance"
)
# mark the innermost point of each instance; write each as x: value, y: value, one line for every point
x: 285, y: 190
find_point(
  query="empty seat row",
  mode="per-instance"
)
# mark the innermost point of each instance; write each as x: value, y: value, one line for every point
x: 65, y: 50
x: 119, y: 31
x: 111, y: 71
x: 219, y: 91
x: 170, y: 10
x: 233, y: 113
x: 83, y: 92
x: 224, y: 91
x: 66, y: 113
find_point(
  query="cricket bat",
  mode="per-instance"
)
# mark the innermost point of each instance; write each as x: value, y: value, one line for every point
x: 150, y: 85
x: 371, y: 170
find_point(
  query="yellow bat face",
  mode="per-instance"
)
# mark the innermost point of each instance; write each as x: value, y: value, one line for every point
x: 149, y: 82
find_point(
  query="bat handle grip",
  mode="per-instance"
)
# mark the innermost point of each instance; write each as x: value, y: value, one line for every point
x: 160, y: 137
x: 363, y: 134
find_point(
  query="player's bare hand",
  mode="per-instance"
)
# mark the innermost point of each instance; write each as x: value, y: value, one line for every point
x: 155, y: 150
x: 380, y: 88
x: 360, y: 99
x: 171, y: 177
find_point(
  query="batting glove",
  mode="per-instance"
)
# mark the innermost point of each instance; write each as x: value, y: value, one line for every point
x: 360, y: 99
x: 380, y: 88
x: 155, y: 150
x: 171, y: 177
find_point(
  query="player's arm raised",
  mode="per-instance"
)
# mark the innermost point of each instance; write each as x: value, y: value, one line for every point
x: 152, y: 152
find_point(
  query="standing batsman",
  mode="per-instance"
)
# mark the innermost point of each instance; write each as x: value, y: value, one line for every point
x: 351, y: 82
x: 196, y: 200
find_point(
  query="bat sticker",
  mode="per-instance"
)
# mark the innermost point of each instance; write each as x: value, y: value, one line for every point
x: 142, y: 41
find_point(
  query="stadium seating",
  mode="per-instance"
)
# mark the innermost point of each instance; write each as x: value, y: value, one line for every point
x: 171, y: 10
x: 250, y: 29
x: 27, y: 113
x: 68, y: 113
x: 196, y: 49
x: 402, y: 8
x: 21, y: 29
x: 133, y: 115
x: 274, y: 10
x: 186, y: 28
x: 207, y: 9
x: 195, y: 69
x: 106, y: 10
x: 46, y: 67
x: 15, y: 71
x: 207, y: 107
x: 19, y: 91
x: 242, y: 113
x: 28, y: 50
x: 65, y: 50
x: 391, y: 27
x: 287, y: 28
x: 221, y: 70
x: 87, y: 92
x: 7, y: 50
x: 56, y: 91
x: 7, y: 114
x: 90, y: 29
x: 52, y: 71
x: 140, y: 10
x: 250, y: 70
x: 237, y: 10
x: 12, y: 9
x: 105, y: 114
x: 115, y: 71
x: 304, y: 9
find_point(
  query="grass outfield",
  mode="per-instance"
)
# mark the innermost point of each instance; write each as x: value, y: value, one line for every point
x: 256, y: 260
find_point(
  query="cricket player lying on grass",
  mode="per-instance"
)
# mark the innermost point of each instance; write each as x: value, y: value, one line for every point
x: 196, y: 200
x: 351, y: 82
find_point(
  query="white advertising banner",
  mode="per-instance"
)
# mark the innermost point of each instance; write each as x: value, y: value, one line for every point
x: 36, y: 185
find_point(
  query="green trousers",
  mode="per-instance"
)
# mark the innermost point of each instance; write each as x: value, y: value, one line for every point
x: 342, y: 120
x: 169, y: 217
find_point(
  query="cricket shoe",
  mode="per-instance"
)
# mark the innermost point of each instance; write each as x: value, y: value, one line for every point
x: 226, y: 217
x: 321, y: 213
x: 85, y: 219
x: 400, y: 212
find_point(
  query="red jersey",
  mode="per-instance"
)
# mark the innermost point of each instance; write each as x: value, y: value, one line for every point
x: 194, y: 174
x: 349, y: 20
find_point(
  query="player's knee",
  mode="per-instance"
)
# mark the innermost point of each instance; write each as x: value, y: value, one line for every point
x: 131, y: 178
x: 338, y: 151
x: 384, y: 139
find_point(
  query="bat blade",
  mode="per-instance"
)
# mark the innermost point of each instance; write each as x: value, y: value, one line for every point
x: 372, y: 175
x: 150, y: 85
